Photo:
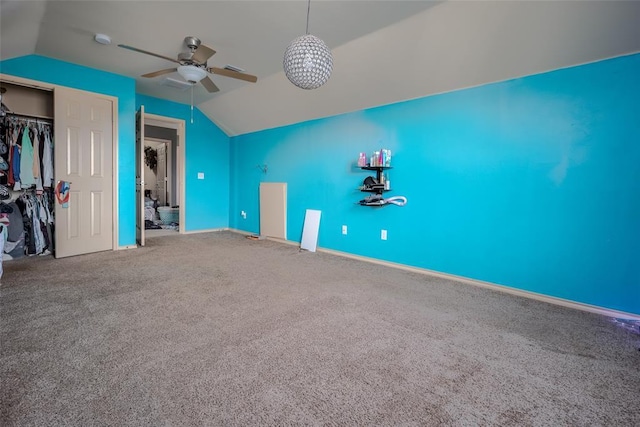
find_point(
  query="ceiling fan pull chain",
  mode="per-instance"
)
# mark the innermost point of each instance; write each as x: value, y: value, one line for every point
x: 192, y: 103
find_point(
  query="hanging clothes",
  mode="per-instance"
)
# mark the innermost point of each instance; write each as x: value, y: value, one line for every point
x: 3, y: 232
x: 47, y: 159
x: 37, y: 217
x: 28, y: 152
x: 28, y: 221
x: 26, y: 159
x: 4, y: 150
x: 9, y: 141
x: 15, y: 242
x: 41, y: 132
x: 35, y: 162
x: 16, y: 157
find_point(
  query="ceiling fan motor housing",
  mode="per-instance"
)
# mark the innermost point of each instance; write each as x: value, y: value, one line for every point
x: 192, y: 42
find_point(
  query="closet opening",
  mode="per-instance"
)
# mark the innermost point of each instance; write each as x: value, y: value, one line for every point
x: 27, y: 186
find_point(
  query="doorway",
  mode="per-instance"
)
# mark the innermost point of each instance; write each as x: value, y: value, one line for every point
x: 163, y: 186
x: 159, y: 168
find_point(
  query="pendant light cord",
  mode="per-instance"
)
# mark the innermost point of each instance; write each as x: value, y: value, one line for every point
x: 308, y: 9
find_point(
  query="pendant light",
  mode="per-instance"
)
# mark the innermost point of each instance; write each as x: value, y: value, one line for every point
x: 307, y: 61
x: 193, y: 75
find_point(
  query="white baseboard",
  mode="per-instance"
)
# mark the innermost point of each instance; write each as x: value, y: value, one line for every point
x: 235, y: 230
x: 208, y: 230
x: 500, y: 288
x: 126, y: 247
x: 488, y: 285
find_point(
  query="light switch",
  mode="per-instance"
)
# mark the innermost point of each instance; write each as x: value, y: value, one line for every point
x: 200, y: 175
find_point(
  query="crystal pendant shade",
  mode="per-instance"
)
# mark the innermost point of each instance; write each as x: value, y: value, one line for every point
x: 308, y: 62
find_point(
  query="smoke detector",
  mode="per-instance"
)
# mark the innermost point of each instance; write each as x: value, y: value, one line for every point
x: 102, y: 39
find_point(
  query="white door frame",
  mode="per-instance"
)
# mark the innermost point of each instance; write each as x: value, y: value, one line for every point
x: 140, y: 223
x: 179, y: 126
x: 114, y: 138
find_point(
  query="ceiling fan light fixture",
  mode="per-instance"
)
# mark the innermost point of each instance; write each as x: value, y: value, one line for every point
x: 308, y: 62
x: 191, y: 73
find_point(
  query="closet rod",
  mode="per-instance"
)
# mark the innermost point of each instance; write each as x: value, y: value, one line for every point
x: 27, y: 118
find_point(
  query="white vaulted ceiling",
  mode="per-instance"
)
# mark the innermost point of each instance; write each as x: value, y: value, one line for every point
x: 384, y: 51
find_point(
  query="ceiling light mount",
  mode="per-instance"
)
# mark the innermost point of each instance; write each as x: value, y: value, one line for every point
x: 308, y: 62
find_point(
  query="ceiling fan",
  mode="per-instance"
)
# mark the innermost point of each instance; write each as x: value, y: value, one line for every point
x: 193, y: 65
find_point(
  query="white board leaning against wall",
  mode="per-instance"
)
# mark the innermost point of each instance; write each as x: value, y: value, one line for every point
x: 310, y: 230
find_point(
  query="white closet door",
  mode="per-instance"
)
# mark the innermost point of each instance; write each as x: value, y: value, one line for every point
x: 84, y: 157
x: 273, y: 209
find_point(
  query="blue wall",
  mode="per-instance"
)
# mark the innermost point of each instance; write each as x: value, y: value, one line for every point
x: 70, y: 75
x: 532, y: 183
x: 207, y: 151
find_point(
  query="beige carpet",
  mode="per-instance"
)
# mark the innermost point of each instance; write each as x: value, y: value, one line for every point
x: 215, y: 329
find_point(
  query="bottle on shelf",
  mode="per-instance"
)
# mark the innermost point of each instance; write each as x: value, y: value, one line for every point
x: 362, y: 160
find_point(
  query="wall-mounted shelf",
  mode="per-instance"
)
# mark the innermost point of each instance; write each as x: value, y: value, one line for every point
x: 380, y: 163
x: 376, y: 168
x: 381, y: 186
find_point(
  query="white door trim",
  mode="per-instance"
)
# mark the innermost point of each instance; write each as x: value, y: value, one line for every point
x: 114, y: 136
x: 140, y: 224
x: 179, y: 126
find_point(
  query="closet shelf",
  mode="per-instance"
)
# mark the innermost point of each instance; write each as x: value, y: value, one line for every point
x: 28, y: 116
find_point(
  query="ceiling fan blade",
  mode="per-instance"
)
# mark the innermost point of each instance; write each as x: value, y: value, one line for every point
x: 209, y: 85
x: 202, y: 53
x: 233, y: 74
x: 135, y: 49
x: 161, y: 72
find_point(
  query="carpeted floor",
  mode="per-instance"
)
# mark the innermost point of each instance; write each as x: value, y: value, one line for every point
x: 216, y: 329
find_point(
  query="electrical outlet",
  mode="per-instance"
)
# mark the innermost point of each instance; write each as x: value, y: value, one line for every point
x: 383, y: 234
x: 243, y: 214
x: 344, y: 229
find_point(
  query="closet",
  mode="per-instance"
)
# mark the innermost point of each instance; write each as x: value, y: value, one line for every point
x: 26, y: 171
x: 66, y: 198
